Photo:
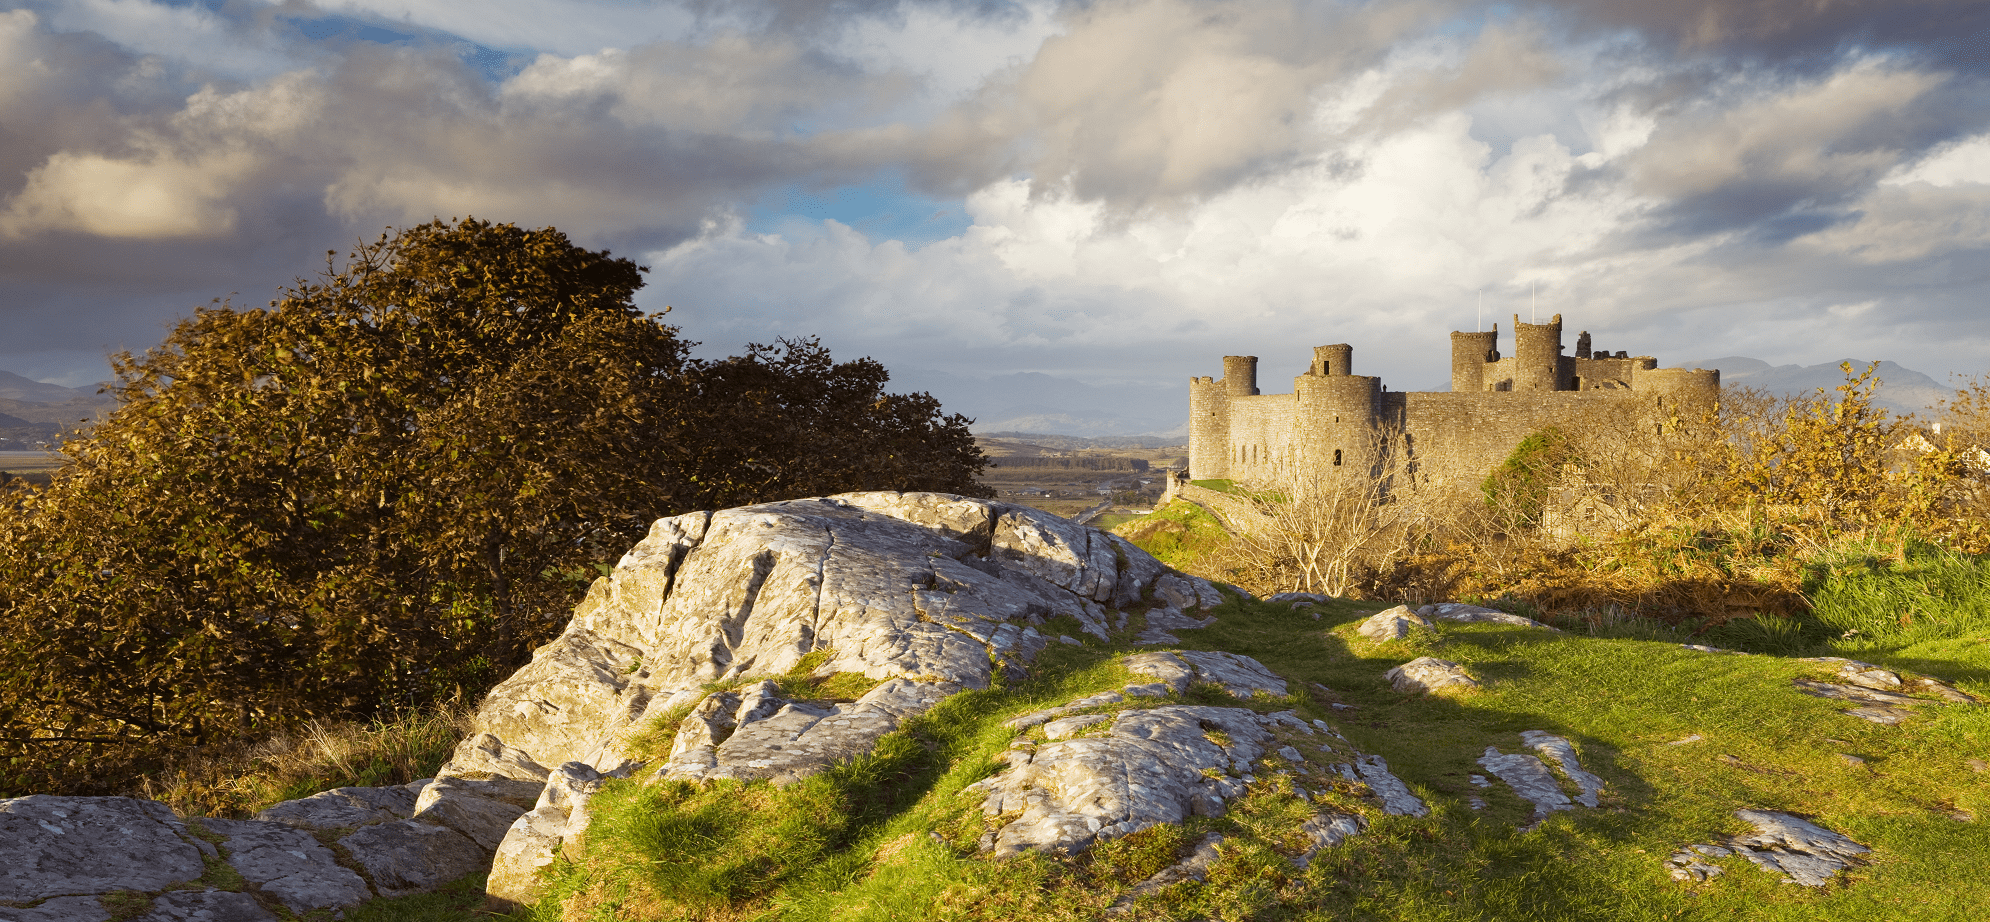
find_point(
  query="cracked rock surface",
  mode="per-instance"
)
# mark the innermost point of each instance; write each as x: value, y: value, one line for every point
x: 1530, y: 778
x: 1164, y: 763
x: 926, y: 593
x: 1803, y: 852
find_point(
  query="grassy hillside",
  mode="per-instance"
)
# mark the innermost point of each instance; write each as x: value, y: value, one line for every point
x: 894, y: 838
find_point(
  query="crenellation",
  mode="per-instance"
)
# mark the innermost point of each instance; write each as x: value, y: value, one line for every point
x: 1495, y: 401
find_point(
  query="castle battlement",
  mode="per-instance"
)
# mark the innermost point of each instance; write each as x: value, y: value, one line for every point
x: 1331, y: 416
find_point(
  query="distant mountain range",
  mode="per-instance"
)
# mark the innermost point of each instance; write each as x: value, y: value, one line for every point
x: 1902, y: 390
x: 33, y: 412
x: 1047, y: 404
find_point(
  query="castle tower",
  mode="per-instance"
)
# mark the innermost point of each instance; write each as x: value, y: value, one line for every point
x: 1470, y: 353
x: 1537, y: 353
x: 1240, y: 375
x: 1582, y: 342
x: 1687, y: 394
x: 1335, y: 420
x: 1334, y: 360
x: 1208, y: 429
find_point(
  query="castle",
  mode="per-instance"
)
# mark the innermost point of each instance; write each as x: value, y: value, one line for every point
x: 1332, y: 417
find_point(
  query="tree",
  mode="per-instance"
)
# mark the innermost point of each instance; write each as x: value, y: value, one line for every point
x: 389, y: 485
x: 1321, y: 526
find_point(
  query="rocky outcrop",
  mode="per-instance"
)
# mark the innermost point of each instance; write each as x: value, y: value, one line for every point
x: 925, y: 594
x: 1110, y: 765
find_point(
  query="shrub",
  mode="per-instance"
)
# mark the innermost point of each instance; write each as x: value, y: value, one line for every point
x: 387, y: 487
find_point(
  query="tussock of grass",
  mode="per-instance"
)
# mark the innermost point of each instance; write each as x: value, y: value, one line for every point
x: 240, y: 780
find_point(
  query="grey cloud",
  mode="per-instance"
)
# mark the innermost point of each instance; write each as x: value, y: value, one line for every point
x: 1786, y: 31
x: 1756, y: 153
x: 1159, y: 103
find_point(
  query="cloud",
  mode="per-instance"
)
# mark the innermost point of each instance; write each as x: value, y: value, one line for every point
x: 1151, y: 183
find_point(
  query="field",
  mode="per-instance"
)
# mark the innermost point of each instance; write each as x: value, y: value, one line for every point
x: 1071, y: 492
x: 32, y: 466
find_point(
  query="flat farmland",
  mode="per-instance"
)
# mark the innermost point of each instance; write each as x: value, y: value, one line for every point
x: 32, y: 466
x: 1069, y: 477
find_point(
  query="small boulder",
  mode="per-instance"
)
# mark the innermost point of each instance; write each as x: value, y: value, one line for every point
x: 1429, y: 674
x: 1395, y: 624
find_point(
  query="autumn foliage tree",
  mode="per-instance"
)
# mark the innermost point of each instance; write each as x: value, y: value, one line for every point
x: 388, y: 486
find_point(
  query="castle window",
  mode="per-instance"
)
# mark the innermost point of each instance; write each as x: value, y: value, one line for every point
x: 1337, y: 457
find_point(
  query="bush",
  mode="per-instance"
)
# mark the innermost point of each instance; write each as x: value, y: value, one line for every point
x: 387, y: 487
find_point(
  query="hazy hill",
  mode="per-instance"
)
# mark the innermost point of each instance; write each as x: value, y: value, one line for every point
x: 1902, y: 389
x: 1040, y: 403
x: 33, y: 410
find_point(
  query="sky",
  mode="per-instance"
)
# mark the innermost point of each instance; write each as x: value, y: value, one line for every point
x: 1113, y: 193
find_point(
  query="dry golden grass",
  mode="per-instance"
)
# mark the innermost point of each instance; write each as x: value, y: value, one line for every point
x: 238, y: 781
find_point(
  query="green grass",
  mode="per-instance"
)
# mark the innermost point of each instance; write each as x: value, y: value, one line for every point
x: 1908, y: 593
x: 1178, y: 533
x: 892, y: 838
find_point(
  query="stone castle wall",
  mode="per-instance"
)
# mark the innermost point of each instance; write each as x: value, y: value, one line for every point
x: 1332, y: 417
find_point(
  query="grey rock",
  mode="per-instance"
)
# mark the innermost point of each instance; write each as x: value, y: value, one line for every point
x: 1147, y: 690
x: 406, y: 857
x: 1804, y: 852
x: 535, y: 837
x: 802, y: 739
x: 1870, y: 676
x: 1194, y: 867
x: 1396, y: 797
x: 1165, y: 668
x: 1066, y: 727
x: 289, y: 864
x: 1285, y: 597
x: 1528, y: 778
x: 1241, y: 676
x: 205, y: 906
x: 1461, y: 612
x: 1149, y: 768
x: 1429, y: 674
x: 480, y: 808
x: 1809, y: 854
x: 1856, y: 693
x: 1048, y: 714
x: 59, y: 909
x: 344, y: 808
x: 62, y: 846
x: 1942, y: 690
x: 1394, y: 624
x: 1560, y: 752
x: 936, y: 590
x: 1326, y: 831
x: 1161, y: 623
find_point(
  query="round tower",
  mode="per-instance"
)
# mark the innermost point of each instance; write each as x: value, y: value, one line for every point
x: 1336, y: 419
x: 1537, y: 353
x: 1208, y: 429
x: 1240, y: 375
x: 1683, y: 394
x: 1336, y: 360
x: 1469, y: 354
